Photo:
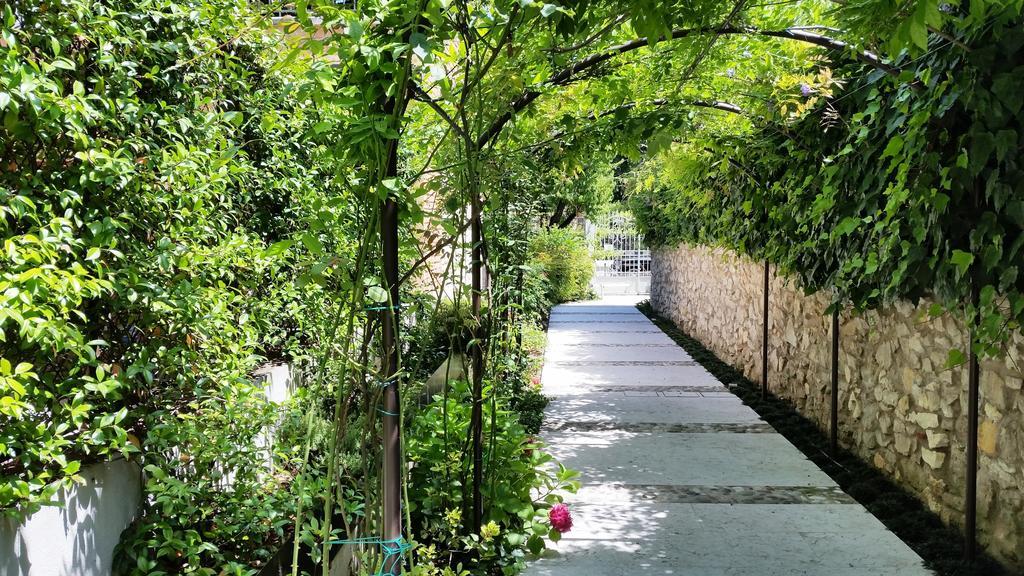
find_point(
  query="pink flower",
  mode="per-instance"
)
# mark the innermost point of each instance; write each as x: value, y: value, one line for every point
x: 560, y: 518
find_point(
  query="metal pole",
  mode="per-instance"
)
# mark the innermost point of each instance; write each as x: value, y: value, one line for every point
x: 971, y: 495
x: 764, y: 338
x: 477, y: 355
x: 834, y: 420
x: 392, y: 472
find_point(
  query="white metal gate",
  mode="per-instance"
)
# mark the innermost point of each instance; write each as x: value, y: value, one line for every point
x: 622, y: 261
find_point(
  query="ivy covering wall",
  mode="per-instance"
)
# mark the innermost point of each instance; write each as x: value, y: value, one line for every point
x: 871, y: 185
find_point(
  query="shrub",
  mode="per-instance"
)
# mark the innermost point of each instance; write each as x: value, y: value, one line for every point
x: 156, y: 168
x: 562, y: 257
x: 521, y: 483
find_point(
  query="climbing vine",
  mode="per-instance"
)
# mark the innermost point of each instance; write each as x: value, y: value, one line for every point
x: 879, y: 187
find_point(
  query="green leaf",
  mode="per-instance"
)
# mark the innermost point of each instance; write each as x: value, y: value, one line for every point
x: 63, y: 64
x: 377, y: 295
x: 962, y: 260
x: 535, y: 545
x: 1006, y: 144
x: 894, y: 147
x: 1007, y: 88
x: 955, y: 358
x: 234, y: 118
x: 313, y: 244
x: 846, y: 226
x: 278, y: 248
x: 980, y: 151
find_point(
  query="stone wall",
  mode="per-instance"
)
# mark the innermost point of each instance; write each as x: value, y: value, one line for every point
x: 900, y: 408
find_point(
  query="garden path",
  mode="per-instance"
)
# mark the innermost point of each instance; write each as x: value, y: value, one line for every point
x: 679, y: 477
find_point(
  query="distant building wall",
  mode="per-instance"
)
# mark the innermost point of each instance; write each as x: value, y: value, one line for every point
x: 900, y: 408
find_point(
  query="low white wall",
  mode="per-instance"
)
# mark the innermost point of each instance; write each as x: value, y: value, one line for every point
x: 78, y: 537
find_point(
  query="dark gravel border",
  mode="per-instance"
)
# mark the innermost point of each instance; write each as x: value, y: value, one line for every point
x: 939, y: 545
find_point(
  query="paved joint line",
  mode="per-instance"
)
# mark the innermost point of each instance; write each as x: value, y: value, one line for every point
x: 660, y: 389
x: 553, y: 322
x: 660, y: 427
x: 562, y: 313
x: 654, y: 331
x: 619, y: 345
x: 623, y: 363
x: 692, y: 494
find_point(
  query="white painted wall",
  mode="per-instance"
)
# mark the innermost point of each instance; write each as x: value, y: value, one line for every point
x: 77, y: 538
x: 278, y: 381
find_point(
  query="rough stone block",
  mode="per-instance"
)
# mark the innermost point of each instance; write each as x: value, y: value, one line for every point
x: 937, y: 439
x: 879, y: 461
x: 988, y: 434
x: 993, y: 390
x: 926, y: 420
x: 933, y: 458
x: 903, y: 443
x: 883, y: 356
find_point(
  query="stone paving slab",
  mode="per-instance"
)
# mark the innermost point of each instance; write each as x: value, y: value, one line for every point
x: 559, y: 352
x: 587, y: 318
x: 657, y: 427
x: 613, y: 326
x: 567, y: 379
x: 706, y: 459
x: 626, y: 303
x: 726, y: 540
x: 599, y: 407
x: 610, y: 312
x: 585, y: 337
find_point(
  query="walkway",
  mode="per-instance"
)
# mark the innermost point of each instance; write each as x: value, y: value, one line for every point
x: 679, y: 477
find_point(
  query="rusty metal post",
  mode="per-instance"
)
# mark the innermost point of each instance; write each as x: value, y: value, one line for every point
x: 834, y: 414
x: 973, y: 396
x: 764, y: 337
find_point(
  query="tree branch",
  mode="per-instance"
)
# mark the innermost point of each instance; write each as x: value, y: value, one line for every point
x: 569, y: 74
x: 433, y: 251
x: 591, y: 39
x: 422, y: 96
